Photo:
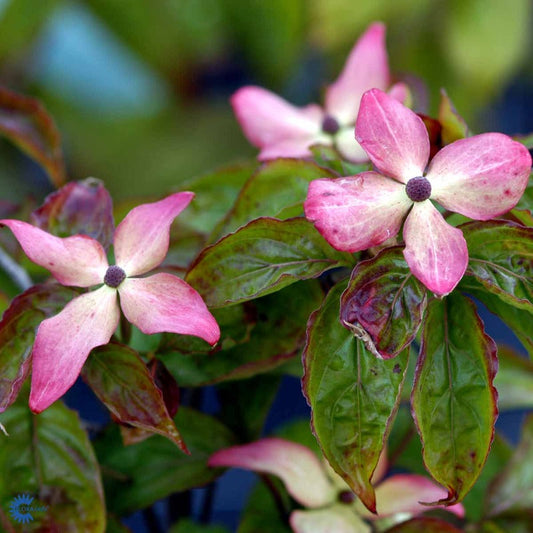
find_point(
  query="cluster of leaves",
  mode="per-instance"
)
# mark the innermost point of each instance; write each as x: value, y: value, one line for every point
x: 277, y: 290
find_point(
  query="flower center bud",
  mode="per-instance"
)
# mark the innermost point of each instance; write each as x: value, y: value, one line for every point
x: 330, y: 125
x: 114, y: 276
x: 418, y: 189
x: 346, y: 496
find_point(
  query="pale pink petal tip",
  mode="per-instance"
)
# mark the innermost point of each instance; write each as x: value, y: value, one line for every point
x: 295, y: 465
x: 435, y: 251
x: 366, y: 67
x: 480, y: 177
x: 64, y: 341
x: 274, y: 125
x: 400, y: 91
x: 395, y: 138
x: 142, y: 238
x: 403, y: 493
x: 78, y: 261
x: 166, y: 303
x: 333, y: 519
x: 358, y: 212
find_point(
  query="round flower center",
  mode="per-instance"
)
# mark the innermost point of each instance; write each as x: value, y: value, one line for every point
x: 114, y: 276
x: 346, y: 496
x: 418, y: 189
x: 330, y: 125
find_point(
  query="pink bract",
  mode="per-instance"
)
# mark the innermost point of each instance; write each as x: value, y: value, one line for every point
x: 280, y: 129
x: 480, y: 177
x: 158, y: 303
x: 316, y: 486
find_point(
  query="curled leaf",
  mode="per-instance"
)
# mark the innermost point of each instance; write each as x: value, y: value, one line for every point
x: 79, y: 207
x: 26, y: 123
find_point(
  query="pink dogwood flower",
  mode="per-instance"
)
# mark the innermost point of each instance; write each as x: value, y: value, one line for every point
x: 329, y: 503
x: 480, y: 177
x: 280, y: 129
x: 161, y: 302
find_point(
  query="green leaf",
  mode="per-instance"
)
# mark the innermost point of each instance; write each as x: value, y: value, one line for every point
x: 17, y: 333
x: 284, y: 313
x: 215, y: 195
x: 424, y: 524
x: 353, y: 396
x: 50, y: 457
x: 519, y: 320
x: 453, y: 125
x: 25, y: 122
x: 501, y: 259
x: 386, y: 301
x: 138, y: 475
x: 512, y: 489
x: 120, y: 379
x: 188, y: 526
x: 261, y: 515
x: 277, y: 186
x: 519, y: 523
x: 262, y: 257
x: 453, y: 400
x: 299, y: 431
x: 246, y: 403
x: 329, y: 157
x: 526, y: 140
x: 405, y: 449
x: 236, y: 323
x: 514, y: 380
x: 499, y: 455
x: 526, y: 202
x: 523, y: 216
x: 79, y: 207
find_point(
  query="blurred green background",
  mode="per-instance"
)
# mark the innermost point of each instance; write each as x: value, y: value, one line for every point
x: 139, y: 88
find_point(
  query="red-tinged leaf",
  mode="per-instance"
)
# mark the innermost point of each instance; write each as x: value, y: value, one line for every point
x: 523, y: 211
x: 424, y: 524
x: 278, y: 186
x: 17, y: 333
x: 25, y: 122
x: 353, y: 396
x: 385, y: 302
x: 121, y: 380
x: 260, y: 258
x: 512, y: 489
x: 434, y: 129
x: 285, y: 313
x: 453, y: 399
x: 166, y: 384
x: 453, y: 125
x: 522, y: 216
x: 79, y: 207
x: 169, y: 388
x: 501, y: 259
x: 50, y: 457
